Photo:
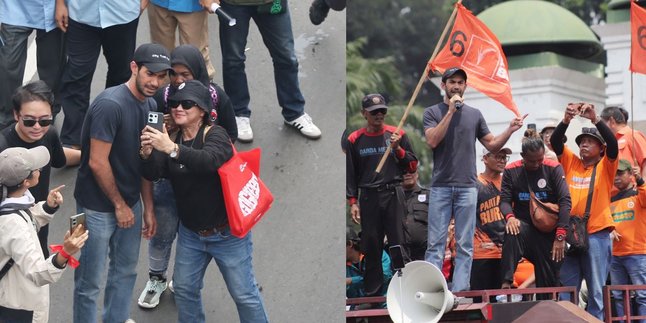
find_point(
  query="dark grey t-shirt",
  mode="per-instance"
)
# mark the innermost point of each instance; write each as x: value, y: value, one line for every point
x: 454, y: 159
x: 116, y: 116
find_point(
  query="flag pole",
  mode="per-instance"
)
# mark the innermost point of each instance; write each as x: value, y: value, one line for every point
x: 632, y: 123
x: 419, y: 85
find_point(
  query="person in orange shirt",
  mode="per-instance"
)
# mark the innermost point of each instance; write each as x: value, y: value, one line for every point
x: 629, y: 250
x: 632, y: 143
x: 490, y: 223
x: 598, y: 151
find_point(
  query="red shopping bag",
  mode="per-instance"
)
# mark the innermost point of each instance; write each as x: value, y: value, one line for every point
x: 246, y: 197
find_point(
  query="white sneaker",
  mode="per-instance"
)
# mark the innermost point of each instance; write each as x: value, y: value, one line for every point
x: 149, y: 297
x: 170, y: 287
x: 245, y: 134
x: 305, y: 125
x: 130, y: 321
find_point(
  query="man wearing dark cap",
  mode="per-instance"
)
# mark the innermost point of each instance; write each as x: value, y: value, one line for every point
x: 598, y: 152
x: 629, y: 250
x: 109, y: 184
x: 451, y: 128
x: 377, y: 199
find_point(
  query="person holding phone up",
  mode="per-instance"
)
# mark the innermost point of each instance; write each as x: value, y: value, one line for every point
x: 26, y: 274
x: 191, y: 160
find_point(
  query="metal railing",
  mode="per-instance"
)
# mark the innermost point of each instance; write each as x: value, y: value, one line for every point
x: 625, y: 290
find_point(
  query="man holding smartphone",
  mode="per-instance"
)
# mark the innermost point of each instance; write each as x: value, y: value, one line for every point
x: 108, y: 187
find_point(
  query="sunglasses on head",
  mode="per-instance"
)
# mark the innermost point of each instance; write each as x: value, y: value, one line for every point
x: 28, y: 122
x: 377, y: 111
x: 186, y: 104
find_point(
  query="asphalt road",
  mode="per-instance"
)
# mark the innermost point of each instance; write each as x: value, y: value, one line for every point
x: 298, y: 246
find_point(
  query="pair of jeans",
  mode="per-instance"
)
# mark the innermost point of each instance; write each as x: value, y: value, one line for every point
x: 460, y: 203
x: 160, y: 245
x: 276, y: 32
x: 84, y: 43
x: 592, y: 266
x: 121, y: 246
x: 629, y: 270
x: 50, y: 59
x: 233, y: 257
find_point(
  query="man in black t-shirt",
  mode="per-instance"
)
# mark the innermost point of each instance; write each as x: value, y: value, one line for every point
x: 377, y: 199
x: 32, y: 110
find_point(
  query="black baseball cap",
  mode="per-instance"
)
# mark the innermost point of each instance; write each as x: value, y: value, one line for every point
x: 192, y: 90
x: 452, y: 71
x: 373, y: 101
x: 154, y: 56
x: 590, y: 132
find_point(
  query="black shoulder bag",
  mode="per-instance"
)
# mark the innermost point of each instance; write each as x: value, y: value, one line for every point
x: 577, y: 233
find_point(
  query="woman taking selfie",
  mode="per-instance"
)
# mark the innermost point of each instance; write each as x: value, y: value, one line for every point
x: 191, y: 161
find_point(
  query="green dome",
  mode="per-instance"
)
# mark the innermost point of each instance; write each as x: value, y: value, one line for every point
x: 528, y: 27
x: 619, y: 4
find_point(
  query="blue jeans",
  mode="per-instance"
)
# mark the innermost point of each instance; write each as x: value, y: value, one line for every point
x: 122, y: 247
x: 276, y: 31
x: 593, y: 267
x: 233, y: 257
x: 629, y: 270
x: 459, y: 202
x: 160, y: 245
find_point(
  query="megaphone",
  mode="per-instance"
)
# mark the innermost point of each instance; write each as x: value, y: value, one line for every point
x: 419, y: 294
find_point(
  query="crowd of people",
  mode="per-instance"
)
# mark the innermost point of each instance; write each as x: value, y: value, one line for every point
x: 133, y: 180
x: 572, y: 218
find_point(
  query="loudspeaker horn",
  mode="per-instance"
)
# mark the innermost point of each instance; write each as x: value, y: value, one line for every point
x: 419, y: 294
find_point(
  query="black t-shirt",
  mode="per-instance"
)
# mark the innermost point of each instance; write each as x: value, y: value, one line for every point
x: 116, y: 116
x: 50, y: 140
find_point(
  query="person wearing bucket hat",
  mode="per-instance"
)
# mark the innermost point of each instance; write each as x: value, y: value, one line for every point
x: 108, y: 187
x: 377, y: 202
x: 628, y: 250
x: 26, y: 274
x: 190, y: 159
x: 451, y: 129
x: 598, y: 151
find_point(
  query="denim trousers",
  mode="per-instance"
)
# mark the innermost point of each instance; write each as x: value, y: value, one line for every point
x: 50, y: 59
x: 459, y: 202
x: 233, y: 257
x: 276, y: 32
x: 592, y: 266
x: 121, y: 246
x: 160, y: 245
x: 84, y: 44
x: 629, y: 270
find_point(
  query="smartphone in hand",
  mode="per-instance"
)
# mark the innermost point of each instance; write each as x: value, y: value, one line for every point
x: 77, y: 219
x: 156, y: 120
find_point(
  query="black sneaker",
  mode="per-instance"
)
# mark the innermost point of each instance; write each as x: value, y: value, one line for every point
x: 318, y: 11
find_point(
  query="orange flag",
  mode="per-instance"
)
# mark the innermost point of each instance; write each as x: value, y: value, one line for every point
x: 475, y: 49
x: 638, y: 33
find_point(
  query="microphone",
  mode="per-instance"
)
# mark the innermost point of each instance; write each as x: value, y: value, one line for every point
x: 215, y: 8
x: 458, y: 105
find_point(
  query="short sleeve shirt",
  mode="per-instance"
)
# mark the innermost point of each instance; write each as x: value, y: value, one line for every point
x: 454, y: 159
x: 578, y: 179
x: 116, y: 116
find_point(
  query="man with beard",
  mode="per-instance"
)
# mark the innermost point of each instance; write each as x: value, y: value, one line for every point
x: 451, y: 128
x: 490, y: 223
x: 377, y: 199
x: 598, y: 162
x: 109, y: 184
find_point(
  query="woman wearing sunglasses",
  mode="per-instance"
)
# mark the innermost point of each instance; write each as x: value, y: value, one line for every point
x: 190, y: 158
x: 32, y: 110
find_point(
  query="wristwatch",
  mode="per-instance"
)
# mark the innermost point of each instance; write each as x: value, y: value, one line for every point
x: 560, y: 237
x: 173, y: 154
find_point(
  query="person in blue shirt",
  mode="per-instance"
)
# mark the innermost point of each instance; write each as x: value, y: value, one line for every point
x: 18, y: 20
x: 186, y: 17
x: 92, y: 27
x: 356, y: 267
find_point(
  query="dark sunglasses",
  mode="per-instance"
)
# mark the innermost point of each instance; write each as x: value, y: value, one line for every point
x: 32, y: 122
x: 377, y: 111
x: 186, y: 104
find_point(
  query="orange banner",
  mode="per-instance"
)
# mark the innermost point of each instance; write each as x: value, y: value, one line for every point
x: 638, y: 33
x: 475, y: 49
